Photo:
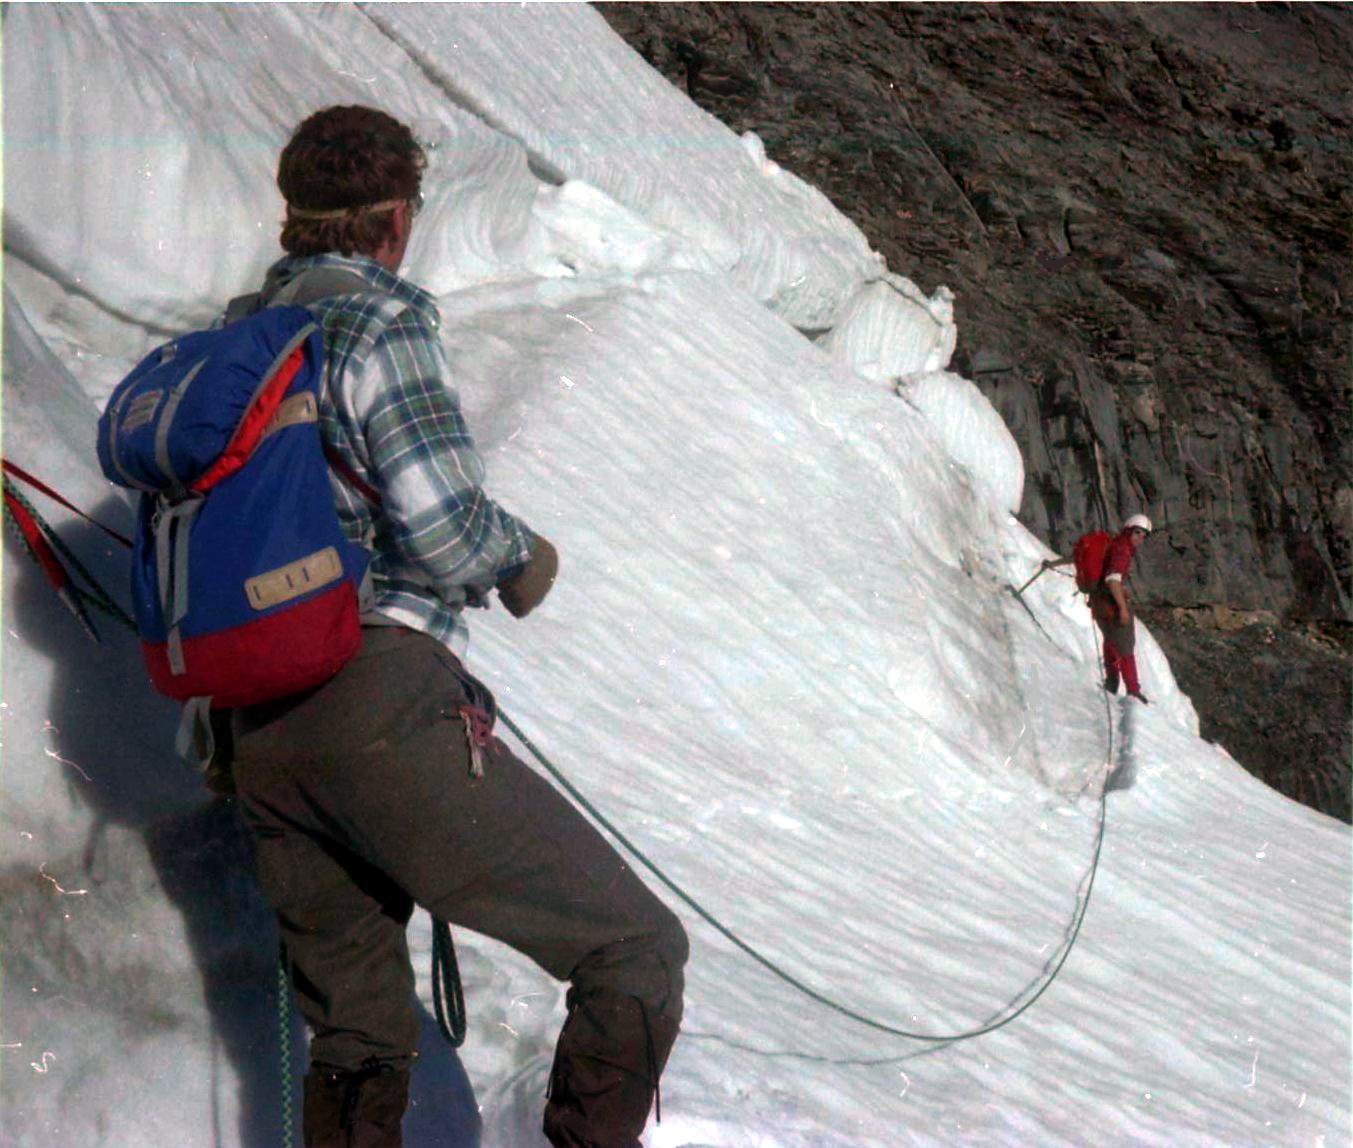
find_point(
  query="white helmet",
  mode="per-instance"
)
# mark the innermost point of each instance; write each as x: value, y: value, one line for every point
x: 1139, y: 520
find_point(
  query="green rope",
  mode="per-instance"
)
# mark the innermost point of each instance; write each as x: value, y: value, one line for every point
x: 102, y: 600
x: 775, y: 970
x: 97, y: 596
x: 284, y: 1045
x: 446, y: 986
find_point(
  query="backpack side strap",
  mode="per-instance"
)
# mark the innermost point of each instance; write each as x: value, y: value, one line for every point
x: 310, y: 287
x: 195, y: 741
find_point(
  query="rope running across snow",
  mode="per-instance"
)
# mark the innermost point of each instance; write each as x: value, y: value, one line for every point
x: 454, y: 1026
x: 779, y: 972
x: 1078, y: 917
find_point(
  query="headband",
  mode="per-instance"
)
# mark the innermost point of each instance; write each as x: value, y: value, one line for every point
x: 294, y: 212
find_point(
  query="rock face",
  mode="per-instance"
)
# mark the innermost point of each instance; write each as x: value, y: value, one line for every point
x: 1143, y: 212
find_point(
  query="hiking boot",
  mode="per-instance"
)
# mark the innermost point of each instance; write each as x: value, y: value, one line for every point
x: 1111, y: 683
x: 605, y: 1077
x: 1141, y: 697
x: 362, y: 1109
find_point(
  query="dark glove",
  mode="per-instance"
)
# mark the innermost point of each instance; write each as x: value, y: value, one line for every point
x: 526, y: 589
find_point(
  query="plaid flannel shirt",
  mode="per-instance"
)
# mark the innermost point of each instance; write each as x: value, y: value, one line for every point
x: 438, y: 542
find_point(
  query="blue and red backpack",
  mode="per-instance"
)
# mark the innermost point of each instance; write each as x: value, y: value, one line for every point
x: 244, y: 587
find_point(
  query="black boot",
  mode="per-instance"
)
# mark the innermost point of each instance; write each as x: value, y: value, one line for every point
x: 1111, y: 682
x: 611, y: 1052
x: 362, y: 1109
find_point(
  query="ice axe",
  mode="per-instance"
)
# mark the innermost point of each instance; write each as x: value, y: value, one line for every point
x: 1042, y: 569
x: 1019, y: 597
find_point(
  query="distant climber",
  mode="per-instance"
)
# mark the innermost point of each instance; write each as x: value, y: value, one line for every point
x: 1102, y: 563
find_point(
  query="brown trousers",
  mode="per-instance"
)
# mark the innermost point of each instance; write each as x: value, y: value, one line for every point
x: 1123, y: 635
x: 362, y: 803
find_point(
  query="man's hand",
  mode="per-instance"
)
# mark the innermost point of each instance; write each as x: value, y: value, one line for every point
x: 526, y: 589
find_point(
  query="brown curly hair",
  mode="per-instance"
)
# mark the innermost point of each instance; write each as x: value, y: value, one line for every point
x: 344, y: 159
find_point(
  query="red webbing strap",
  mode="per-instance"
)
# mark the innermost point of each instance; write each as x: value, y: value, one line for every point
x: 34, y: 532
x: 351, y: 477
x: 37, y: 484
x: 37, y: 543
x: 252, y: 426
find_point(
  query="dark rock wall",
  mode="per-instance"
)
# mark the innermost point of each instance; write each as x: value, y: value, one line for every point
x: 1144, y: 213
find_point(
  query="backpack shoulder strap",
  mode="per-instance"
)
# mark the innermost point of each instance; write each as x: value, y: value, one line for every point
x: 306, y: 288
x: 242, y: 306
x: 322, y: 283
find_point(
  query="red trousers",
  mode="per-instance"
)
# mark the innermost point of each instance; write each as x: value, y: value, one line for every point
x: 1120, y: 645
x: 1117, y: 663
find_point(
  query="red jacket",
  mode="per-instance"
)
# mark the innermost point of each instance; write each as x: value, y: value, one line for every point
x: 1116, y: 561
x: 1119, y: 558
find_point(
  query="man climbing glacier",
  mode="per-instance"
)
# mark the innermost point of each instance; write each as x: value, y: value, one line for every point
x: 384, y: 787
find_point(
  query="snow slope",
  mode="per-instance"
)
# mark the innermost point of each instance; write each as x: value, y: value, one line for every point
x: 783, y: 656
